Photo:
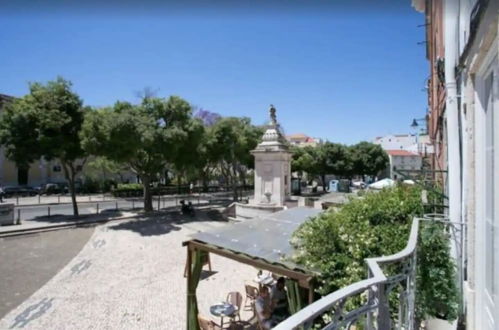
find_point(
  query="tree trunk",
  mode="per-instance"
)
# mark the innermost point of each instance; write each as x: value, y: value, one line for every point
x: 179, y: 183
x: 234, y: 182
x: 204, y: 179
x: 323, y: 178
x: 70, y: 174
x: 146, y: 181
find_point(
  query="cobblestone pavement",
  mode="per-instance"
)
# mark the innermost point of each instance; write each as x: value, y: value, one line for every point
x: 129, y: 276
x: 30, y: 261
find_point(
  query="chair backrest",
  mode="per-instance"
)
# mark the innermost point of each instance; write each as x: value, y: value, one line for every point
x: 251, y: 291
x: 235, y: 298
x: 205, y: 323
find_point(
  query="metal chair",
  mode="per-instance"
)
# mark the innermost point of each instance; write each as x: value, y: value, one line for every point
x: 236, y: 299
x: 251, y: 294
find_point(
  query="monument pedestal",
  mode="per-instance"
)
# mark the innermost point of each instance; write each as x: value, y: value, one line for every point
x: 272, y: 174
x: 252, y: 210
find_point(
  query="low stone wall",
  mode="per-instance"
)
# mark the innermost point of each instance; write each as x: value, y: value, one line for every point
x: 7, y: 214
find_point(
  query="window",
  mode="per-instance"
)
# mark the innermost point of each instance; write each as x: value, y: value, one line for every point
x: 56, y: 168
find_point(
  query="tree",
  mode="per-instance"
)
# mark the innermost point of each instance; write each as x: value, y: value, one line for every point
x: 209, y: 118
x: 332, y: 158
x: 232, y: 139
x: 326, y: 158
x: 146, y: 136
x: 46, y: 123
x: 368, y: 158
x: 303, y: 161
x: 101, y: 168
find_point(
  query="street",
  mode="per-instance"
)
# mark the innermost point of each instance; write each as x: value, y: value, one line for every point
x: 29, y: 261
x: 42, y: 212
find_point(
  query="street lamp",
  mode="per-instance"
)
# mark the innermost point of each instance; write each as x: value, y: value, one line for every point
x: 415, y: 125
x: 415, y: 121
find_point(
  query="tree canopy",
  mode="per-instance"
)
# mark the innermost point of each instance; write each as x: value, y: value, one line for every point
x: 326, y: 158
x: 146, y: 136
x: 46, y: 123
x: 231, y: 140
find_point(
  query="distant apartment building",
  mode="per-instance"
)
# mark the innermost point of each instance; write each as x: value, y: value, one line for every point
x: 419, y: 144
x: 302, y: 140
x: 402, y: 160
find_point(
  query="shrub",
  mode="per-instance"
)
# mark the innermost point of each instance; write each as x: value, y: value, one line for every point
x: 128, y: 189
x: 338, y: 242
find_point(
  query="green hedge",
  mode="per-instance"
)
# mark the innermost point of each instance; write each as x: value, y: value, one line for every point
x: 338, y: 242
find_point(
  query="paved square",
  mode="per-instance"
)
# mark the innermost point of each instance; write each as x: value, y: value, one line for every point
x: 129, y: 276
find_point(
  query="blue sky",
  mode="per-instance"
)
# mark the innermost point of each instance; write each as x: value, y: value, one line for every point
x: 342, y: 73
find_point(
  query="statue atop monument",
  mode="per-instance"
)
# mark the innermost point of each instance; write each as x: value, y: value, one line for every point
x: 273, y: 118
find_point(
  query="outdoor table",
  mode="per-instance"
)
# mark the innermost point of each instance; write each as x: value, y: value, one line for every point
x: 223, y: 309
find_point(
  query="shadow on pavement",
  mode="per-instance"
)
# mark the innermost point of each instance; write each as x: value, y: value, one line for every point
x: 162, y: 223
x: 206, y: 273
x: 60, y: 218
x: 150, y: 227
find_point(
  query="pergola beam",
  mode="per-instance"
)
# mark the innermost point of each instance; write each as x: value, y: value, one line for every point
x: 302, y: 278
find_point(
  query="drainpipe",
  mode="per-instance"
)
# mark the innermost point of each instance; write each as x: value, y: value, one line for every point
x: 451, y: 35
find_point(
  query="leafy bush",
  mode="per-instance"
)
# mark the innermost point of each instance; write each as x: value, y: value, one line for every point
x: 337, y: 243
x: 90, y: 186
x: 128, y: 189
x: 129, y: 186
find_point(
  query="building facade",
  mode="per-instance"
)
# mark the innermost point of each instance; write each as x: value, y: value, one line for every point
x: 414, y: 143
x: 402, y: 160
x: 462, y: 49
x: 302, y: 140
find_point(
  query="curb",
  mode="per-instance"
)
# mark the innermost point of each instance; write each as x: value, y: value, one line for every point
x: 81, y: 223
x: 68, y: 203
x: 173, y: 197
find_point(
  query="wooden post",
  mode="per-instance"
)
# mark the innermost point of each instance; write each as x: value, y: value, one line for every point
x: 189, y: 274
x: 311, y: 293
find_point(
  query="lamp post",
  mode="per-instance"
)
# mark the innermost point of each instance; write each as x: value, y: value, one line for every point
x: 415, y: 125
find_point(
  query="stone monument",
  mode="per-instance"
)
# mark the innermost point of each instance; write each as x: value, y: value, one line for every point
x: 272, y: 173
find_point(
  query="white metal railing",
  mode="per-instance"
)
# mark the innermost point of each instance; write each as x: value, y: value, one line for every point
x: 375, y: 290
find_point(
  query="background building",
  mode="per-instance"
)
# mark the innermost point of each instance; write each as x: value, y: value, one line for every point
x: 302, y: 140
x: 463, y: 102
x: 419, y: 144
x: 402, y: 160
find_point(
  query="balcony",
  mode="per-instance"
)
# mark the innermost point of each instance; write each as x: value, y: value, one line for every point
x: 386, y: 275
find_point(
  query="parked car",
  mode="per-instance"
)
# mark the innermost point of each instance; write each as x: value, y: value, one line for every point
x: 20, y: 191
x: 28, y: 191
x: 359, y: 184
x: 57, y: 188
x: 51, y: 188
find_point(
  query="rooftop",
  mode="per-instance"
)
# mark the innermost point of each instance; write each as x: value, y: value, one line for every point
x: 266, y: 239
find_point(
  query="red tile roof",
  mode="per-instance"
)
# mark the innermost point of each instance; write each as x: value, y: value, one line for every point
x: 400, y: 153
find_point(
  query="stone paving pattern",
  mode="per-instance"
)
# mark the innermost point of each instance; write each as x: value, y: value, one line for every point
x: 129, y: 276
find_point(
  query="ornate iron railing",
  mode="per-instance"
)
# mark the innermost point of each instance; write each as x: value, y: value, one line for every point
x: 390, y: 279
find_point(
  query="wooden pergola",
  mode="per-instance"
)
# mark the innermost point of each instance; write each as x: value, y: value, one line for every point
x: 247, y: 242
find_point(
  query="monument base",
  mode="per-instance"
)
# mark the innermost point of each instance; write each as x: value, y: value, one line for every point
x: 251, y: 210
